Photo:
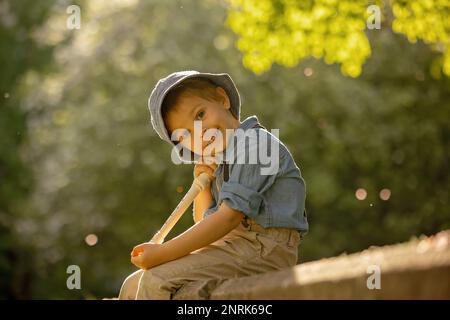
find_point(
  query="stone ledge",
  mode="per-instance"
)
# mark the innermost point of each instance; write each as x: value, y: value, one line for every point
x: 419, y: 269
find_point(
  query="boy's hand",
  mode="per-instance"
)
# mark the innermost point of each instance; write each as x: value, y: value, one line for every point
x: 209, y: 169
x: 147, y: 255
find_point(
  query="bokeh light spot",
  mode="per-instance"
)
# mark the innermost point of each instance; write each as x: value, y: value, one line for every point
x: 308, y: 72
x: 91, y: 239
x: 385, y: 194
x: 361, y: 194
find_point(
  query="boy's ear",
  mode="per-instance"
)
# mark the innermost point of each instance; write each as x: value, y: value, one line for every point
x: 224, y: 97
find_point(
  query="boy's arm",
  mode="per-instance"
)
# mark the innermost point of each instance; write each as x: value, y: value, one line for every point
x: 214, y: 227
x: 202, y: 202
x: 203, y: 233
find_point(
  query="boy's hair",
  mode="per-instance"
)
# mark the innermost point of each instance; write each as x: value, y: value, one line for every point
x: 199, y: 87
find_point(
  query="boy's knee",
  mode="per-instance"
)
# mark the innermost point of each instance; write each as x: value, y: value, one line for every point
x: 153, y: 286
x: 130, y: 286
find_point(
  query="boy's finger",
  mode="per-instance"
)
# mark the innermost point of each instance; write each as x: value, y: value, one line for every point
x: 210, y: 168
x: 140, y: 247
x: 136, y: 260
x: 135, y: 253
x: 138, y: 250
x: 208, y: 171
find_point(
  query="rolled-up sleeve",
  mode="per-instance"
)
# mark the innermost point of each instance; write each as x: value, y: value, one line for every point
x: 244, y: 190
x: 241, y: 198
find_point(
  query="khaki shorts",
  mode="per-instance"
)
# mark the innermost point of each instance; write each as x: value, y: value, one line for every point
x: 247, y: 250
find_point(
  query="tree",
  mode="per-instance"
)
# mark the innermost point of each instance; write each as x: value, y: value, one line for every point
x: 286, y: 31
x: 18, y: 53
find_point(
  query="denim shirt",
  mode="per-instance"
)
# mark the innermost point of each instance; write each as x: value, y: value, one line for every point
x: 276, y: 199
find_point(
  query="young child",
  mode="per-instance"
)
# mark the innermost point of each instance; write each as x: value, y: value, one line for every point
x: 247, y: 221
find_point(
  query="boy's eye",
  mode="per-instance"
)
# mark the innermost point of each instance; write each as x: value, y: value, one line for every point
x: 200, y: 115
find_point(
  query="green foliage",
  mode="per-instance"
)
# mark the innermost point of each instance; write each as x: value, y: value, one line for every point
x: 287, y: 31
x: 18, y: 53
x: 414, y: 18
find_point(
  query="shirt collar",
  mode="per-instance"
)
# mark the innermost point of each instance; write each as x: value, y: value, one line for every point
x: 248, y: 123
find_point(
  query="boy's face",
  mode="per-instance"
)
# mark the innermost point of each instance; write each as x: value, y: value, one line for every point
x: 214, y: 115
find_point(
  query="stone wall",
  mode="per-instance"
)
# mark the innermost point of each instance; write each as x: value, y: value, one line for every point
x: 419, y: 269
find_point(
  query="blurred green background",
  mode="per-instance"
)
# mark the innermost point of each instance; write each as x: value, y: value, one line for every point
x: 83, y: 178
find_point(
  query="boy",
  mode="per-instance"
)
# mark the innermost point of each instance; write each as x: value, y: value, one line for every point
x: 247, y: 221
